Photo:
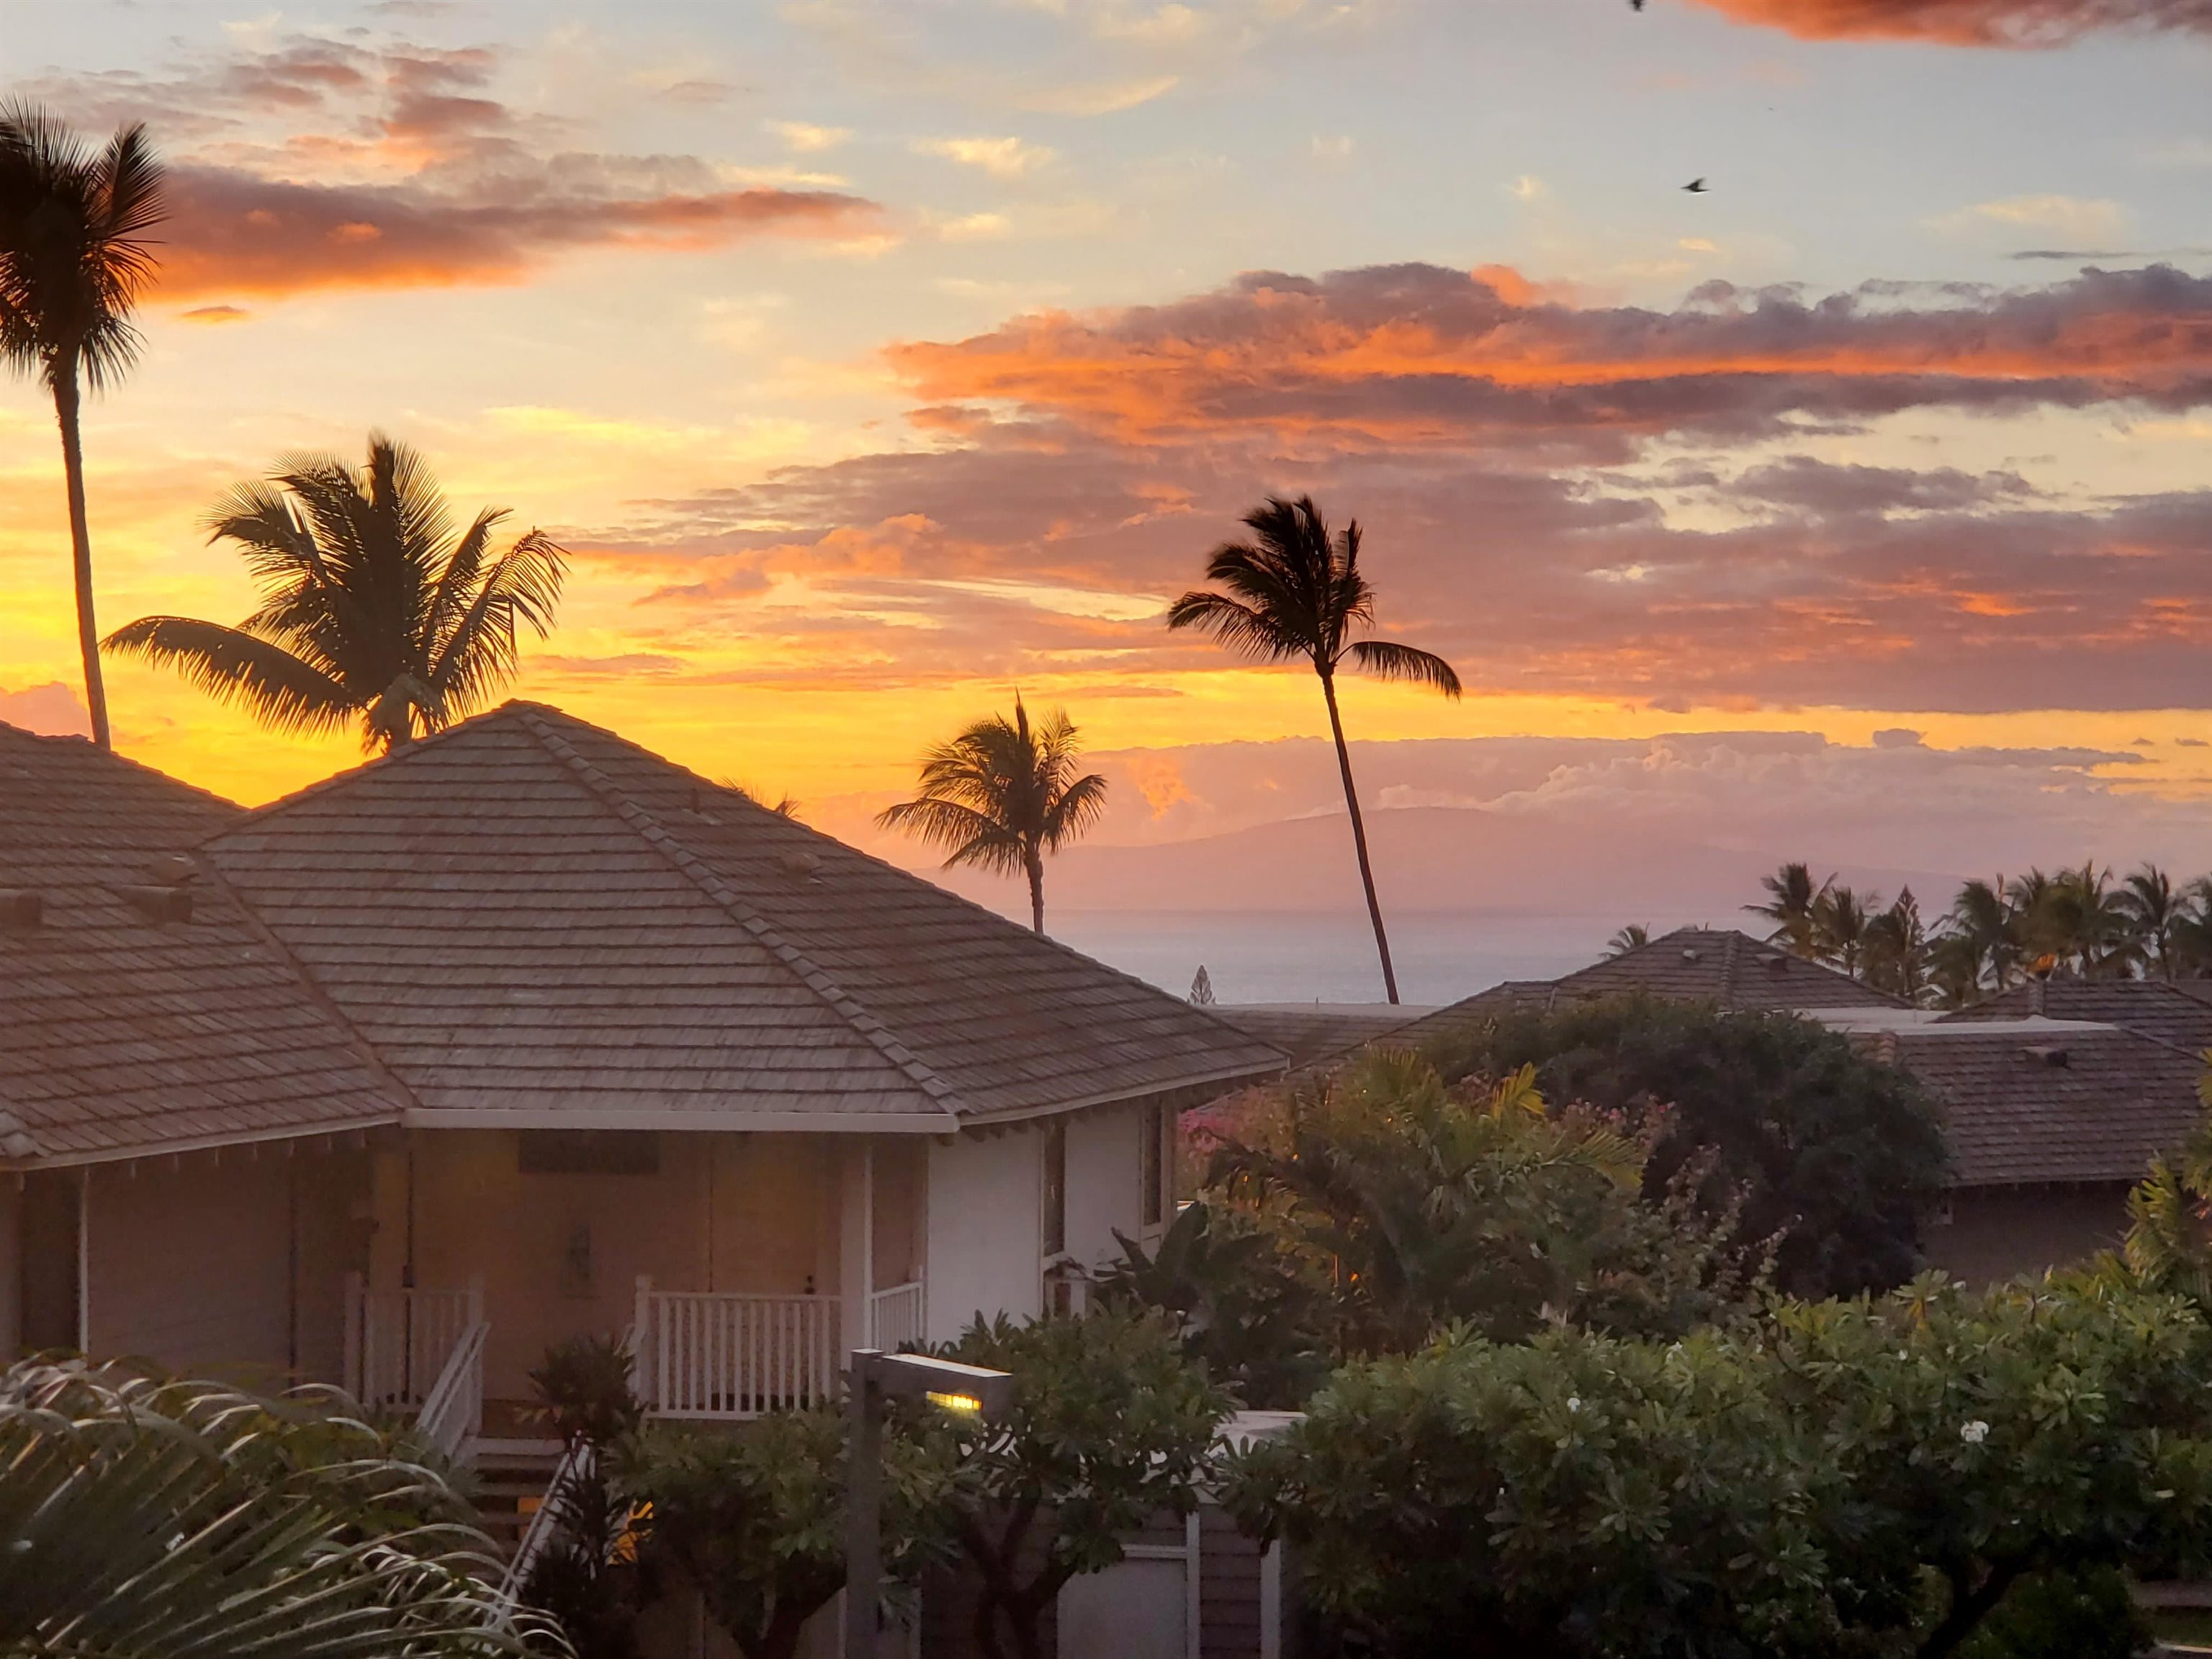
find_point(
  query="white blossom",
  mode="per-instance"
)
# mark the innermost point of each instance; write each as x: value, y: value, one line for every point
x: 1975, y: 1432
x: 1574, y: 1404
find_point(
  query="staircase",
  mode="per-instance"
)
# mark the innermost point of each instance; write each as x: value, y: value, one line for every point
x: 511, y: 1477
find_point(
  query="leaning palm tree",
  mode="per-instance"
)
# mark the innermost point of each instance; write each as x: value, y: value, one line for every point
x: 1003, y: 794
x: 1295, y: 594
x: 1840, y: 922
x: 373, y: 608
x: 182, y: 1520
x: 74, y: 258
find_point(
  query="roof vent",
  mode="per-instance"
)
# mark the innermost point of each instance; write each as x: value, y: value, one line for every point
x: 14, y: 1140
x: 1693, y: 956
x: 158, y: 903
x: 801, y: 864
x: 21, y: 907
x: 172, y: 870
x: 1775, y: 963
x: 2048, y: 1054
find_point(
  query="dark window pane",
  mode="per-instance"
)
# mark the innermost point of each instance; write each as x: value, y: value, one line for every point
x: 590, y: 1152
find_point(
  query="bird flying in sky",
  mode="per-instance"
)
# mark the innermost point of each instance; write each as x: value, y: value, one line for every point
x: 1696, y: 186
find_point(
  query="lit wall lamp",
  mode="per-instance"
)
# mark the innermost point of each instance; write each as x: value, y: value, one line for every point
x: 873, y: 1377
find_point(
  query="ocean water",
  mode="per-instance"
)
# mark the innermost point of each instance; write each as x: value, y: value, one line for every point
x: 1305, y: 956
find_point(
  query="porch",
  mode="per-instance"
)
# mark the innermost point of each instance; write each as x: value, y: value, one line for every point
x: 739, y: 1268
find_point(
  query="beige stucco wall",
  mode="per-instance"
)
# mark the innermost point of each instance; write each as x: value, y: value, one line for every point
x: 1998, y: 1233
x: 232, y: 1263
x: 560, y: 1254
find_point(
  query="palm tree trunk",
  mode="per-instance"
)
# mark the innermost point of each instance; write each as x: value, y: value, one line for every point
x: 1037, y: 893
x: 88, y: 630
x: 1359, y: 838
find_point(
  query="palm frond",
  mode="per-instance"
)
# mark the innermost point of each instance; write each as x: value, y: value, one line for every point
x: 1389, y: 661
x: 1239, y: 625
x: 234, y: 666
x: 1079, y: 807
x: 968, y: 835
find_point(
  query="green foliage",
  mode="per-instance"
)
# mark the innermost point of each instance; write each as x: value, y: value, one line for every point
x: 583, y: 1387
x: 1109, y: 1425
x: 2058, y: 1614
x: 1249, y: 1308
x: 754, y: 1518
x: 1867, y: 1480
x: 584, y: 1395
x: 165, y: 1519
x: 1821, y: 1146
x: 1430, y: 1204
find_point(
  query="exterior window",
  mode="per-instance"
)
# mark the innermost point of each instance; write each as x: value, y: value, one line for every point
x: 1056, y: 1190
x: 589, y: 1151
x: 1154, y: 1154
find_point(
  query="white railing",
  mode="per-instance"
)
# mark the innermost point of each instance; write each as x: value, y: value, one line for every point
x: 703, y: 1354
x: 452, y: 1415
x: 894, y: 1318
x: 575, y: 1465
x: 397, y: 1342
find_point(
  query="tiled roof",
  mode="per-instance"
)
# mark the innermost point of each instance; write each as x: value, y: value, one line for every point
x: 1469, y: 1014
x: 2041, y: 1102
x: 1691, y: 964
x: 1310, y: 1034
x: 120, y: 1031
x: 2178, y: 1013
x: 1724, y: 966
x: 531, y: 920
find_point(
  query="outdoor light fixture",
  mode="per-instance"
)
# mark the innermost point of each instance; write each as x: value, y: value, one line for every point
x: 871, y: 1377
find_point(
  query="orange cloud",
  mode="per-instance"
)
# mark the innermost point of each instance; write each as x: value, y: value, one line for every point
x: 1413, y: 354
x: 1966, y: 23
x: 232, y: 232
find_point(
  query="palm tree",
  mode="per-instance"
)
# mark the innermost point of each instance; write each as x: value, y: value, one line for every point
x: 2157, y: 917
x: 1296, y: 593
x: 1898, y: 958
x: 1990, y: 932
x: 1791, y: 900
x: 74, y: 258
x: 372, y: 607
x: 1633, y: 937
x: 1001, y: 795
x: 185, y: 1519
x: 1840, y: 923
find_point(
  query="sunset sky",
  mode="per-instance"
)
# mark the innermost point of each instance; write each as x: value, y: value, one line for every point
x: 873, y: 362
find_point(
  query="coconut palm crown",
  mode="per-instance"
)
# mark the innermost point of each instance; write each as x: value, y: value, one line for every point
x: 1001, y: 795
x: 1295, y: 593
x: 372, y: 607
x: 74, y: 258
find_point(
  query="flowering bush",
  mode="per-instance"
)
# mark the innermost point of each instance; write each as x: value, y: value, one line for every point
x: 1854, y: 1479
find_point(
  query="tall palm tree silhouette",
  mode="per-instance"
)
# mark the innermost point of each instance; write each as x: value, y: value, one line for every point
x: 1001, y: 795
x: 372, y: 607
x: 1296, y: 592
x: 74, y: 258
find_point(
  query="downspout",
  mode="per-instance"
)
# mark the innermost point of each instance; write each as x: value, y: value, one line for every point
x: 84, y: 1260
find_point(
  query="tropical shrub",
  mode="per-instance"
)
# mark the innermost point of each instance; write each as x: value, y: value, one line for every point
x: 1248, y: 1306
x: 583, y: 1579
x: 1819, y: 1145
x: 1871, y: 1480
x: 753, y: 1518
x: 1109, y: 1425
x: 1423, y: 1205
x: 167, y: 1519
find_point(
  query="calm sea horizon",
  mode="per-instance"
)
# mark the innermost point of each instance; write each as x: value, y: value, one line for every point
x: 1308, y: 957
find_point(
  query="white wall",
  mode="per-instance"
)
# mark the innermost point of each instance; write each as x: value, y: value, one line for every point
x: 1103, y: 1180
x: 984, y: 1201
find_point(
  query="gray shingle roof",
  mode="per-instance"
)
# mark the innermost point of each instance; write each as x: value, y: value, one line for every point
x: 2037, y: 1104
x: 119, y: 1031
x: 1310, y: 1034
x: 1724, y: 966
x: 531, y: 920
x: 1469, y: 1014
x: 2178, y: 1013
